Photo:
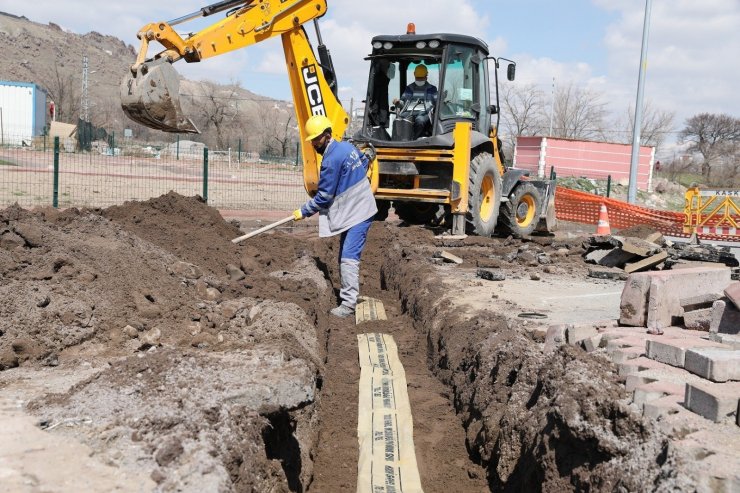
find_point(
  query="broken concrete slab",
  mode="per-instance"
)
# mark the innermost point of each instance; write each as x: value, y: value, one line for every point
x: 717, y: 365
x: 639, y: 247
x: 607, y: 273
x: 678, y: 284
x: 647, y: 263
x: 595, y: 256
x: 714, y: 401
x: 733, y: 293
x: 490, y: 275
x: 656, y: 237
x: 673, y: 351
x: 448, y: 257
x: 725, y: 318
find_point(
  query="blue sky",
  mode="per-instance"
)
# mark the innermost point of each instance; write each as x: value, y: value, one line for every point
x: 595, y: 44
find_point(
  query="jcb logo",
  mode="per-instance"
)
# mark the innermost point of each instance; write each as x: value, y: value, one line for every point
x: 311, y: 82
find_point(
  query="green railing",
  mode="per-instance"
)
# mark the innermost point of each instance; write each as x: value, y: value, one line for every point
x: 51, y: 172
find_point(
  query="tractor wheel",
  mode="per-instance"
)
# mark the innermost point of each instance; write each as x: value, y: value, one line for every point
x: 416, y: 212
x: 519, y: 216
x: 383, y: 207
x: 484, y: 195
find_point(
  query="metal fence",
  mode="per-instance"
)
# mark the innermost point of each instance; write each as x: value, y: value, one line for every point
x: 43, y: 172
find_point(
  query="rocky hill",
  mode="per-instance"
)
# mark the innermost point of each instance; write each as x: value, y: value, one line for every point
x: 51, y: 57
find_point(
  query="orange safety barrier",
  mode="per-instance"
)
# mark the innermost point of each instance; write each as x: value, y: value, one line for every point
x: 583, y: 207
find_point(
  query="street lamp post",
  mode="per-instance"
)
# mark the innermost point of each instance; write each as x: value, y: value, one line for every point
x: 634, y: 163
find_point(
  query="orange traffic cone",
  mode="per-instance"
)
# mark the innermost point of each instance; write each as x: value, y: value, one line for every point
x: 602, y: 227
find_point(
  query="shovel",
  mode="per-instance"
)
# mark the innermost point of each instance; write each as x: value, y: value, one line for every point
x: 263, y: 229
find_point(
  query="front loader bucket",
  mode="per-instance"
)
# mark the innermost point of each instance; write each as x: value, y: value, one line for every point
x: 150, y: 96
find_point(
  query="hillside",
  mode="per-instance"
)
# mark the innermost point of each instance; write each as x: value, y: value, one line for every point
x: 47, y: 55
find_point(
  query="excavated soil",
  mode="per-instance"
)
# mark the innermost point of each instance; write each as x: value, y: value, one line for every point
x: 194, y: 364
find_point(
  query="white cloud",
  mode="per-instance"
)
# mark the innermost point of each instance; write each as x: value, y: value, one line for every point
x: 692, y: 45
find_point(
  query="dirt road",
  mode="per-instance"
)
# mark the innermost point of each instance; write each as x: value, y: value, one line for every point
x: 167, y: 358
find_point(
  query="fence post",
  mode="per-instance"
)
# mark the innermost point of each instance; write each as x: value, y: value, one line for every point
x: 55, y: 194
x: 177, y: 148
x: 297, y: 153
x: 205, y: 174
x: 112, y: 143
x: 239, y: 152
x: 608, y: 186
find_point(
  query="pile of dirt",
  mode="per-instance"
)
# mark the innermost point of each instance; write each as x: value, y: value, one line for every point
x: 208, y: 364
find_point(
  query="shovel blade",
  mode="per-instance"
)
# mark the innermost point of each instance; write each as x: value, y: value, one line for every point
x: 151, y: 96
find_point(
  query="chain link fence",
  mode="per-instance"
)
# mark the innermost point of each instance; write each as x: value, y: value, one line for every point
x: 46, y: 171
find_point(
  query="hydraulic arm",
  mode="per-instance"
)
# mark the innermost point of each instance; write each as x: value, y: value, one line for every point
x: 150, y: 95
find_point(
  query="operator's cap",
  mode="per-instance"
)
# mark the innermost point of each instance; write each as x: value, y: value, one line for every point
x: 420, y: 71
x: 316, y: 125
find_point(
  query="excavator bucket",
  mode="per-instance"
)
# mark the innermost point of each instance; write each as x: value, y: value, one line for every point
x: 150, y: 96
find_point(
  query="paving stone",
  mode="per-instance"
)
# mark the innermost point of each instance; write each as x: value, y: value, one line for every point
x: 633, y: 366
x: 730, y: 340
x: 714, y: 401
x: 700, y: 301
x: 725, y: 318
x: 655, y: 390
x: 698, y: 319
x: 621, y: 355
x: 634, y: 301
x: 667, y: 405
x: 733, y: 293
x: 555, y: 337
x: 448, y: 257
x: 591, y: 344
x: 682, y: 283
x: 577, y: 333
x: 717, y: 365
x: 673, y: 351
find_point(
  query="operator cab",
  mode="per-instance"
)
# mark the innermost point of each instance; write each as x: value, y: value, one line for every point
x: 399, y: 112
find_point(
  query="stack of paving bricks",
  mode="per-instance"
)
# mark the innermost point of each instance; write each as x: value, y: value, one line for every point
x: 685, y: 379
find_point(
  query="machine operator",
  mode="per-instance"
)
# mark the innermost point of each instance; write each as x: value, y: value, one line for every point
x: 418, y: 100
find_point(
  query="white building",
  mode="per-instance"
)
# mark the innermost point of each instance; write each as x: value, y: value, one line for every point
x: 22, y: 112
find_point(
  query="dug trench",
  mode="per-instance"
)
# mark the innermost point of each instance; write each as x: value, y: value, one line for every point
x: 181, y: 361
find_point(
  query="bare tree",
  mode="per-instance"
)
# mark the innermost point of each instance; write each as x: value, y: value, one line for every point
x: 655, y: 126
x: 523, y: 112
x: 578, y: 113
x: 217, y: 109
x: 63, y: 90
x: 714, y: 136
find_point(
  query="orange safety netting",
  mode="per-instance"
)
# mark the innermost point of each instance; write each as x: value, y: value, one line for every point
x: 583, y: 207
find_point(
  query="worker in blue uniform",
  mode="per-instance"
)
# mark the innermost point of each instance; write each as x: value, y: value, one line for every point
x: 345, y: 204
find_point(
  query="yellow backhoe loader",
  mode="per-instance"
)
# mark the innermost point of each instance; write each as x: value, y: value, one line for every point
x: 436, y: 157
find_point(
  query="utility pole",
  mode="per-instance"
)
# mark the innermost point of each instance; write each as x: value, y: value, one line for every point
x: 552, y: 106
x: 635, y: 162
x: 85, y: 102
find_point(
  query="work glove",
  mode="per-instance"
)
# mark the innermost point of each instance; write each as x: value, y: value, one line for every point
x: 297, y: 215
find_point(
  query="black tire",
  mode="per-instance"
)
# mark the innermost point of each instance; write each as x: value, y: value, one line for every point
x: 416, y: 212
x: 383, y: 207
x: 519, y: 216
x: 484, y: 195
